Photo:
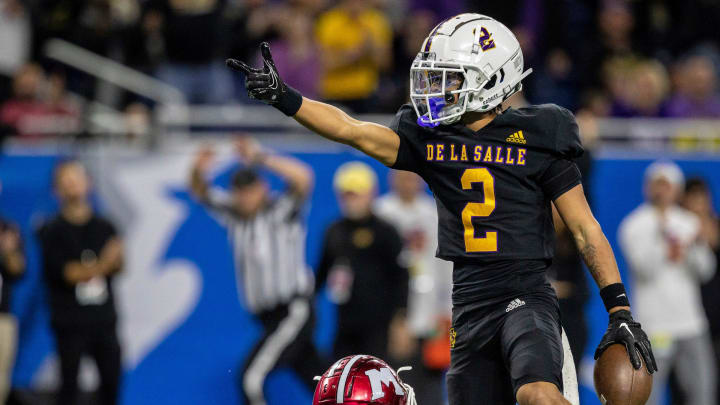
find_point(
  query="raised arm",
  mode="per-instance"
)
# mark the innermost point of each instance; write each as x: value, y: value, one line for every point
x: 265, y: 85
x: 298, y: 176
x: 377, y: 141
x: 198, y: 183
x: 600, y: 260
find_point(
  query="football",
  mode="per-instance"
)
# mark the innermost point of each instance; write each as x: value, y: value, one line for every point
x: 617, y: 382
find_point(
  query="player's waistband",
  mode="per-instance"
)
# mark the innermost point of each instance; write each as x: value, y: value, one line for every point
x: 498, y: 280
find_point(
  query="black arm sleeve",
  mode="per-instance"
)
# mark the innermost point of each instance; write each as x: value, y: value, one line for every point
x: 561, y: 176
x: 404, y: 128
x: 405, y: 160
x: 567, y: 136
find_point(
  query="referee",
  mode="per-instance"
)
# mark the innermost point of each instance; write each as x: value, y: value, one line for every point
x: 267, y: 237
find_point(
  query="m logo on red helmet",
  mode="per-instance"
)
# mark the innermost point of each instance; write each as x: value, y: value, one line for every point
x: 383, y: 376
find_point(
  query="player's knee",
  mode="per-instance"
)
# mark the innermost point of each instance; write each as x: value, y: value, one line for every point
x: 540, y: 393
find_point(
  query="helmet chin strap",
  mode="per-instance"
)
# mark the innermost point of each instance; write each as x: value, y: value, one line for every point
x: 435, y: 105
x: 410, y: 391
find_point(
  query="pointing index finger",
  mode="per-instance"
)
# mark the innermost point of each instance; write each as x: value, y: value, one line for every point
x: 240, y: 66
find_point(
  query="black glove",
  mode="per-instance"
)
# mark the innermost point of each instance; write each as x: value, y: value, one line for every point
x: 623, y: 329
x: 266, y: 85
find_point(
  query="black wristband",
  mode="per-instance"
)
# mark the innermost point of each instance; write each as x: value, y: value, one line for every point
x: 621, y: 315
x: 614, y: 295
x: 289, y: 102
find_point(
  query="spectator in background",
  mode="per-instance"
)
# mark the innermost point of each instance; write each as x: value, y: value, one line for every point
x: 15, y: 36
x: 250, y: 22
x: 595, y: 103
x: 81, y: 254
x: 447, y: 8
x: 644, y: 91
x: 613, y: 39
x: 556, y: 81
x: 698, y: 200
x: 87, y: 24
x: 296, y: 52
x: 191, y: 33
x: 255, y: 21
x: 268, y: 243
x: 12, y: 267
x: 39, y: 107
x: 407, y: 44
x: 26, y: 98
x: 362, y: 266
x: 288, y: 26
x: 696, y: 95
x: 355, y: 41
x: 414, y: 214
x: 617, y: 79
x: 138, y: 123
x: 142, y: 42
x: 58, y: 101
x: 669, y: 258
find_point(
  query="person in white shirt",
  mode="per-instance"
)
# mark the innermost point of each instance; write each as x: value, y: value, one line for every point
x: 414, y: 215
x: 669, y: 259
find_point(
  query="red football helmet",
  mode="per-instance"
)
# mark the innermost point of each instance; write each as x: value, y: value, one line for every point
x: 362, y: 380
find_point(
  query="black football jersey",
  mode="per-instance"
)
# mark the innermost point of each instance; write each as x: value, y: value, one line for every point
x: 493, y: 187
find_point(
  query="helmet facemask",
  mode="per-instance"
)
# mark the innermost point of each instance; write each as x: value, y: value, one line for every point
x: 439, y: 90
x: 442, y: 91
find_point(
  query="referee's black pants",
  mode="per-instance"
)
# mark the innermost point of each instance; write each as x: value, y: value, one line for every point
x: 286, y: 342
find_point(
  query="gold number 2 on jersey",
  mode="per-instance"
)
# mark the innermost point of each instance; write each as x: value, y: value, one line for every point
x: 488, y: 243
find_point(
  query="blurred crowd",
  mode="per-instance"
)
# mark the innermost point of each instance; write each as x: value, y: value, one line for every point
x: 616, y: 58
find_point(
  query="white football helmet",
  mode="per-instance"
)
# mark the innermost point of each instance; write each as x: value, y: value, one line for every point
x: 470, y: 62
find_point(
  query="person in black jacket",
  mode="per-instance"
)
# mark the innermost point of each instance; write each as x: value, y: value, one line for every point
x: 81, y: 253
x: 361, y: 265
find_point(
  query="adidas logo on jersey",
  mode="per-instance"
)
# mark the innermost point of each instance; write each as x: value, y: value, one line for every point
x: 517, y: 137
x: 517, y: 302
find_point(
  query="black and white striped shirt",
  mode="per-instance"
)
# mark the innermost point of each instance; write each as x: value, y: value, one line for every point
x: 268, y: 251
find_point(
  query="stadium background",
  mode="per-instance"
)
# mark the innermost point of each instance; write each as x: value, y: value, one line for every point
x: 183, y: 329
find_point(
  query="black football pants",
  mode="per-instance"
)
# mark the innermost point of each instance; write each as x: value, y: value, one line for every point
x: 286, y: 341
x: 98, y: 341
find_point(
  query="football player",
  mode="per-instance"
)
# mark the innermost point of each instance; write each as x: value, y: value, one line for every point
x: 495, y: 175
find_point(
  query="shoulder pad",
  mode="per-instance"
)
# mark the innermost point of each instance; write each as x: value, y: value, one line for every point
x: 405, y: 122
x: 557, y: 126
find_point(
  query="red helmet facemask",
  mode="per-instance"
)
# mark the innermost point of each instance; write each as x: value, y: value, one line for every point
x: 362, y: 380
